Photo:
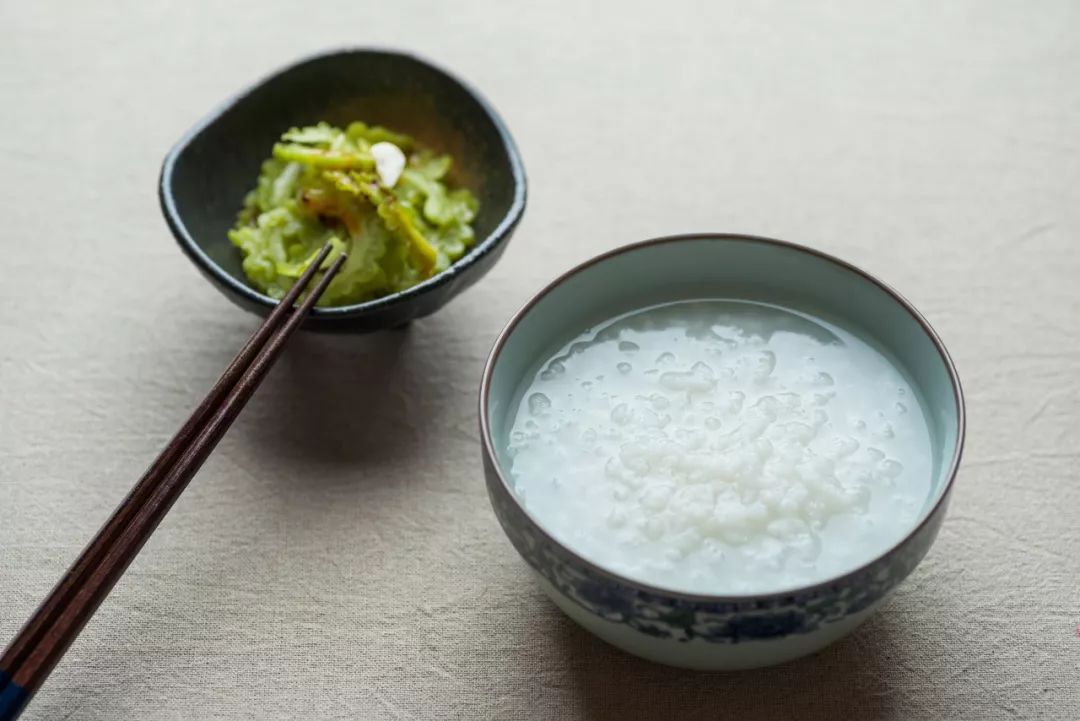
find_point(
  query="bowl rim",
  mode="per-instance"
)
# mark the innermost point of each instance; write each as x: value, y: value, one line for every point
x: 501, y: 232
x: 817, y: 586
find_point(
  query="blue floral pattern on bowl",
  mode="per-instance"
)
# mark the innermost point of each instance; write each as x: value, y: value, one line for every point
x: 684, y: 617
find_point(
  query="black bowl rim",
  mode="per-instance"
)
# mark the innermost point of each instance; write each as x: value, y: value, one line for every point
x: 782, y: 594
x: 500, y: 233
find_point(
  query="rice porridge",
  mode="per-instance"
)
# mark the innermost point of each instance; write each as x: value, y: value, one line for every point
x: 721, y: 447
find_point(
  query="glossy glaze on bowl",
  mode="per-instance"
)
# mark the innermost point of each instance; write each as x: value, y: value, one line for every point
x: 702, y: 631
x: 205, y: 176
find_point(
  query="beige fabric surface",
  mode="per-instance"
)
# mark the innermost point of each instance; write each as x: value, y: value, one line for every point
x: 337, y: 557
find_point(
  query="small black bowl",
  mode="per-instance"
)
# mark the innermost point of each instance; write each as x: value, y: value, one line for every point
x: 205, y: 176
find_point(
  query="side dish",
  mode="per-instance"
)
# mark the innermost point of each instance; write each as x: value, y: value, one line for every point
x: 375, y: 194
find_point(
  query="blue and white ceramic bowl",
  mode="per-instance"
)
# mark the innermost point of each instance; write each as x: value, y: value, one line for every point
x: 716, y: 632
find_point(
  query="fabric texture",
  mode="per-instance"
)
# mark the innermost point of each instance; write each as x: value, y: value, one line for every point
x: 337, y: 557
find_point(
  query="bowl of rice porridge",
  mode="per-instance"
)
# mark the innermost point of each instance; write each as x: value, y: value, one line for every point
x: 720, y: 451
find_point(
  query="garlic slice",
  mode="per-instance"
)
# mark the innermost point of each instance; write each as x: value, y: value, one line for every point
x: 389, y: 162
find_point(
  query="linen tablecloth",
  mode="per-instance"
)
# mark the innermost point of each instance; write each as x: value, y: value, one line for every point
x: 337, y: 557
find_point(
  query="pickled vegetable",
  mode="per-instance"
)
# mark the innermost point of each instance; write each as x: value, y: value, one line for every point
x: 399, y: 223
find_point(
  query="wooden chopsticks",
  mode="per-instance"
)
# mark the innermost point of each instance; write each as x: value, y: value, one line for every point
x: 41, y: 643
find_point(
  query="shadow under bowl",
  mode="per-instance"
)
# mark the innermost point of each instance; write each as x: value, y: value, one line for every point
x: 717, y: 631
x: 205, y: 177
